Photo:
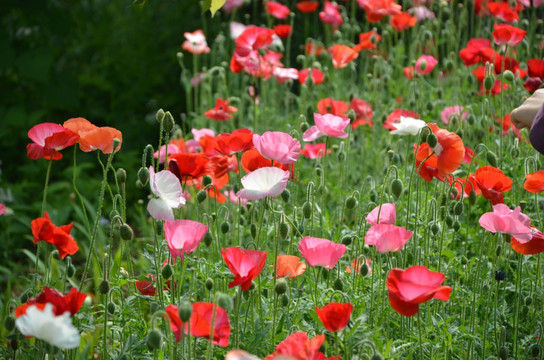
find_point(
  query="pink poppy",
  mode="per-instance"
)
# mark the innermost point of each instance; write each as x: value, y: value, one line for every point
x: 277, y: 10
x: 387, y: 237
x: 421, y: 13
x: 451, y: 111
x: 244, y: 264
x: 48, y: 139
x: 330, y: 14
x: 504, y: 220
x: 388, y: 214
x: 231, y: 195
x: 425, y: 64
x: 2, y: 209
x: 166, y: 186
x: 277, y: 145
x: 326, y: 125
x: 314, y: 151
x: 263, y: 182
x: 172, y: 149
x: 183, y: 236
x: 321, y: 252
x: 284, y: 74
x: 253, y: 38
x: 195, y: 43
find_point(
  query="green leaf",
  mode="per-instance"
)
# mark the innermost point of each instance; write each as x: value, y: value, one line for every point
x: 216, y: 5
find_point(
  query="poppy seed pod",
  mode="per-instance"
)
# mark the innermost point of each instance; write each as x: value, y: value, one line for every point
x: 143, y: 175
x: 185, y: 310
x: 154, y: 339
x: 160, y: 115
x: 281, y: 286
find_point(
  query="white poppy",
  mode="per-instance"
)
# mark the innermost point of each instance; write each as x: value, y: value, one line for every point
x: 263, y: 182
x: 408, y: 126
x: 167, y: 187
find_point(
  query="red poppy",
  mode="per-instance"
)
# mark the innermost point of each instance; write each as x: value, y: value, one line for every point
x: 531, y: 247
x: 466, y: 189
x: 283, y: 31
x: 532, y: 84
x: 289, y: 266
x: 299, y: 346
x: 509, y: 64
x: 498, y: 86
x: 48, y: 139
x: 252, y: 160
x: 313, y: 48
x: 507, y: 125
x: 245, y: 265
x: 449, y: 149
x: 307, y: 6
x: 342, y: 55
x: 146, y: 287
x: 402, y: 21
x: 363, y: 113
x: 92, y: 137
x: 367, y: 40
x: 201, y: 323
x: 277, y: 10
x: 492, y: 182
x: 44, y: 230
x: 334, y: 316
x: 536, y: 68
x: 478, y: 50
x: 239, y: 140
x: 331, y: 106
x: 429, y: 169
x: 505, y: 34
x: 61, y: 303
x: 222, y: 111
x: 502, y: 11
x: 413, y: 286
x: 394, y: 118
x: 316, y: 76
x: 534, y: 182
x: 253, y: 38
x: 408, y: 72
x: 376, y: 9
x: 177, y: 326
x: 189, y: 166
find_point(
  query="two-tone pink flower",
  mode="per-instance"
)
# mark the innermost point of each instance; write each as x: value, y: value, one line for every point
x: 327, y: 125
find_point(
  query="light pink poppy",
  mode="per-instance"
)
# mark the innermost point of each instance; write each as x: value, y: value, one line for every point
x: 195, y: 43
x: 425, y: 64
x: 236, y: 29
x: 277, y: 10
x: 450, y: 111
x: 388, y: 214
x: 421, y: 13
x: 166, y: 186
x: 284, y: 74
x: 504, y: 220
x: 330, y: 14
x: 277, y: 145
x: 326, y: 125
x: 387, y: 237
x: 263, y: 182
x: 183, y: 236
x: 321, y: 252
x: 172, y: 149
x: 231, y: 195
x: 231, y: 5
x: 2, y: 209
x: 314, y: 151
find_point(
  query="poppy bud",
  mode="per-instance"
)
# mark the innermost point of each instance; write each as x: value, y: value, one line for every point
x: 284, y: 230
x: 111, y: 308
x: 126, y: 233
x: 338, y: 284
x: 456, y: 225
x: 341, y: 156
x: 225, y: 227
x: 201, y: 196
x: 500, y: 275
x: 168, y: 122
x: 121, y: 175
x: 253, y: 231
x: 396, y: 188
x: 430, y: 106
x: 449, y: 220
x: 325, y: 274
x: 13, y: 344
x: 264, y: 292
x: 514, y: 152
x: 154, y: 339
x: 435, y: 228
x: 209, y: 284
x: 185, y: 310
x: 139, y: 184
x: 458, y: 208
x: 528, y: 300
x: 439, y: 93
x: 376, y: 357
x: 535, y: 350
x: 300, y: 229
x: 411, y: 104
x: 104, y: 287
x: 285, y: 195
x: 304, y: 126
x: 167, y: 271
x: 489, y: 81
x: 143, y: 175
x: 351, y: 202
x: 25, y: 296
x: 318, y: 170
x: 207, y: 239
x: 460, y: 133
x: 307, y: 210
x: 55, y: 254
x: 116, y: 143
x: 225, y: 301
x: 373, y: 195
x: 449, y: 65
x: 523, y: 204
x: 346, y: 240
x: 464, y: 260
x: 471, y: 119
x: 491, y: 158
x: 285, y: 300
x: 9, y: 323
x: 206, y: 180
x: 503, y: 353
x: 160, y: 115
x: 70, y: 270
x: 114, y: 213
x: 508, y: 75
x: 364, y: 269
x: 472, y: 197
x: 498, y: 250
x: 281, y: 286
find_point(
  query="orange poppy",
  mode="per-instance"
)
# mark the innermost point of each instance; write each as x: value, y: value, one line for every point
x: 357, y: 264
x: 467, y: 188
x: 534, y: 182
x: 429, y: 169
x: 307, y: 6
x: 532, y: 247
x: 402, y: 21
x: 342, y: 55
x: 92, y: 137
x: 367, y: 40
x: 238, y: 141
x: 331, y: 106
x: 376, y: 9
x: 289, y: 266
x: 492, y: 182
x: 218, y: 182
x: 449, y: 149
x: 252, y: 160
x: 222, y: 111
x: 189, y: 166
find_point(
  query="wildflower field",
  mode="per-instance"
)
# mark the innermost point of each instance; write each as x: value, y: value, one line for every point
x: 344, y: 181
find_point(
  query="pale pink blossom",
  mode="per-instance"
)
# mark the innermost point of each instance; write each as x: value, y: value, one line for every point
x: 195, y: 43
x: 321, y: 252
x: 263, y: 182
x: 183, y: 236
x: 504, y: 220
x: 278, y: 146
x: 231, y: 5
x: 166, y: 186
x: 231, y: 195
x: 388, y: 214
x: 421, y: 13
x: 451, y: 111
x: 172, y: 149
x: 284, y: 74
x: 327, y: 125
x: 387, y: 237
x: 425, y: 64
